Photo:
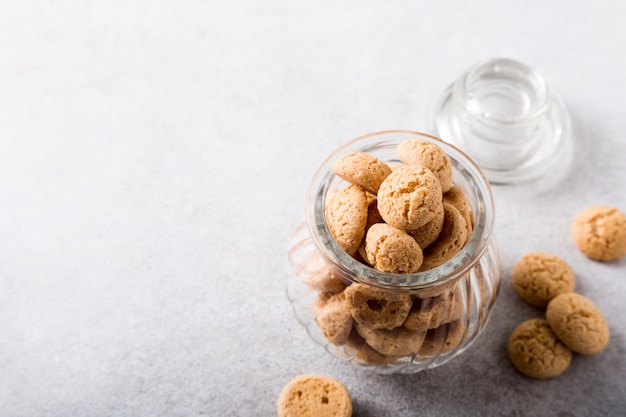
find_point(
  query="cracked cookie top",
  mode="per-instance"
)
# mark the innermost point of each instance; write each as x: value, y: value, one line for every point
x: 578, y: 323
x: 600, y: 233
x: 409, y: 197
x: 535, y: 350
x: 538, y: 277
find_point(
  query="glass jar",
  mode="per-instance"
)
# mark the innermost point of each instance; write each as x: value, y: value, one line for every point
x: 453, y: 301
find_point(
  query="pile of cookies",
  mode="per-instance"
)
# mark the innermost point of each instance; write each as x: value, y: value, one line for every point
x: 543, y: 348
x: 402, y: 218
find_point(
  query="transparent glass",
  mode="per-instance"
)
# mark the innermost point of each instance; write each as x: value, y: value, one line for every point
x: 504, y: 115
x: 471, y: 278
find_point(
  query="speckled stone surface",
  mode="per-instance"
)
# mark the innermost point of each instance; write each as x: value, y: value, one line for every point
x: 155, y: 158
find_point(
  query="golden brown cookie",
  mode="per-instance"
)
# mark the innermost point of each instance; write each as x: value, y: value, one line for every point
x: 377, y: 308
x: 365, y: 353
x: 314, y: 396
x: 536, y: 351
x: 432, y: 312
x: 457, y: 197
x: 429, y: 232
x: 578, y: 323
x: 449, y: 242
x: 428, y: 155
x: 346, y: 216
x: 392, y: 250
x: 395, y: 342
x: 443, y: 339
x: 373, y: 217
x: 538, y: 277
x: 445, y: 308
x: 362, y: 169
x: 416, y: 320
x: 335, y: 320
x: 600, y: 233
x: 408, y: 198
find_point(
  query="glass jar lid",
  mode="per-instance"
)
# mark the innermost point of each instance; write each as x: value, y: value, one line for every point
x: 505, y: 116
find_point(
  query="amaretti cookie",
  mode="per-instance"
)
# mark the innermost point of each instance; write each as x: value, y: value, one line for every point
x: 538, y: 277
x: 373, y: 217
x: 428, y: 155
x: 458, y: 199
x: 367, y: 354
x: 314, y: 396
x: 335, y: 320
x: 442, y: 339
x: 409, y: 197
x: 449, y: 242
x: 432, y: 312
x: 535, y: 350
x: 362, y: 169
x: 377, y: 308
x: 578, y: 323
x: 428, y: 233
x: 392, y: 250
x: 396, y: 342
x: 346, y: 216
x: 600, y: 233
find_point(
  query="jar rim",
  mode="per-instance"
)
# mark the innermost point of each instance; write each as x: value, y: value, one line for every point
x: 475, y: 184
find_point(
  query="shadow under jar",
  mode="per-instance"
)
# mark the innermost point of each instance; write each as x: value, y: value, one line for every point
x: 441, y: 310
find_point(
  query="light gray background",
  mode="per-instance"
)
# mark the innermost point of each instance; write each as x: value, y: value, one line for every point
x: 155, y: 156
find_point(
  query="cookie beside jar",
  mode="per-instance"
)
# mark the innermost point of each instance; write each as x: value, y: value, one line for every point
x: 387, y: 303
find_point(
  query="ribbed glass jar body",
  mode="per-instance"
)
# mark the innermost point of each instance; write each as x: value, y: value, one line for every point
x: 448, y: 305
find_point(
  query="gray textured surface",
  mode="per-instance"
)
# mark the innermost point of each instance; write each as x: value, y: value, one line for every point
x: 155, y: 156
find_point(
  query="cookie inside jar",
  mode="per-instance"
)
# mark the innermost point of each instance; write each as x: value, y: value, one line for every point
x: 382, y: 327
